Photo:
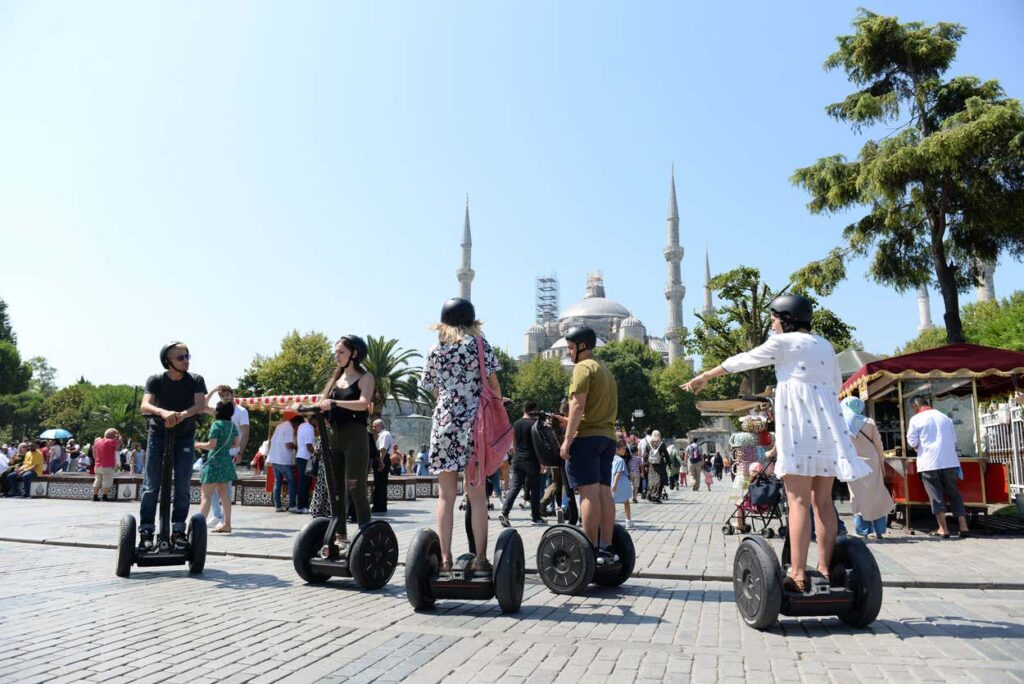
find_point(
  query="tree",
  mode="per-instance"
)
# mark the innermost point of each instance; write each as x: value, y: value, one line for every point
x: 545, y: 381
x: 631, y: 363
x: 44, y: 376
x: 303, y: 366
x: 395, y: 378
x: 14, y: 375
x: 992, y: 324
x: 66, y: 408
x: 742, y: 322
x: 21, y: 414
x: 675, y: 411
x: 113, y: 406
x: 6, y: 330
x: 944, y: 190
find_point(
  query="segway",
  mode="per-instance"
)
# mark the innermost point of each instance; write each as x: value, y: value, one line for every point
x: 425, y: 583
x: 854, y: 594
x: 162, y: 552
x: 370, y: 558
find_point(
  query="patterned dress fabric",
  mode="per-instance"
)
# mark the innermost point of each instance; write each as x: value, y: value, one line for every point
x: 453, y: 371
x: 810, y: 432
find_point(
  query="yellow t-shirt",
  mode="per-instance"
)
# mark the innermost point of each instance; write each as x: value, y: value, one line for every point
x: 34, y: 458
x: 590, y: 377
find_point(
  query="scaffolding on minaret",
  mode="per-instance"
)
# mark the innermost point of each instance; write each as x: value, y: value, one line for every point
x: 547, y: 299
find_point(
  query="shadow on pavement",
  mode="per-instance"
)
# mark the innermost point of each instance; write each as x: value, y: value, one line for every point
x: 953, y: 626
x: 236, y: 580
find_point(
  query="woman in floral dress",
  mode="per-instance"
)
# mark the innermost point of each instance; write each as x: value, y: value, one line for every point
x: 813, y: 443
x: 452, y: 372
x: 220, y: 468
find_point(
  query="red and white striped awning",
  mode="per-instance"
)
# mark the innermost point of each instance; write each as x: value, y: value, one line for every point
x: 279, y: 402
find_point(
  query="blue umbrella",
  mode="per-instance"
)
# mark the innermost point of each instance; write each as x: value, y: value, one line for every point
x: 57, y: 433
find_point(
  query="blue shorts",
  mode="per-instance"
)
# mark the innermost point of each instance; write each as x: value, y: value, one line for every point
x: 590, y: 461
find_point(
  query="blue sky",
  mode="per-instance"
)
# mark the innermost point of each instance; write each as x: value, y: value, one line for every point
x: 226, y: 172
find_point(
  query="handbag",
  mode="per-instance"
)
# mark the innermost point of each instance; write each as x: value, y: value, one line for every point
x: 492, y: 431
x: 764, y: 491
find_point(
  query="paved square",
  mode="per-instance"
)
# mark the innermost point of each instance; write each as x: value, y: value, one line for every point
x: 248, y: 618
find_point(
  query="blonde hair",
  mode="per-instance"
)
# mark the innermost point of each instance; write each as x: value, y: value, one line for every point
x: 110, y: 433
x: 451, y: 334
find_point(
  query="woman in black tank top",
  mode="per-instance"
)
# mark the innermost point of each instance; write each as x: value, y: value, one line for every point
x: 348, y: 396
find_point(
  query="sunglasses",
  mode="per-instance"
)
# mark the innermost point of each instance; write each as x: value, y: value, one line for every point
x: 182, y: 357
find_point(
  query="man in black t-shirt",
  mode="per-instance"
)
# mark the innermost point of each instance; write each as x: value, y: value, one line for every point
x: 172, y: 400
x: 525, y: 467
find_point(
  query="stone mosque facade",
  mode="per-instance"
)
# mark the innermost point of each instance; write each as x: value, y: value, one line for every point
x: 610, y: 320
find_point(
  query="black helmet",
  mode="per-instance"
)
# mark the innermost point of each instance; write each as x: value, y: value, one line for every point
x: 582, y: 334
x: 357, y: 345
x: 794, y: 308
x: 458, y: 312
x: 165, y: 361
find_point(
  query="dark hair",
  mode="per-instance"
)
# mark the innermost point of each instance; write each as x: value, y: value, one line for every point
x: 648, y: 431
x: 529, y: 406
x: 224, y: 410
x: 357, y: 362
x: 920, y: 400
x: 224, y: 388
x: 296, y: 420
x: 563, y: 408
x: 789, y: 325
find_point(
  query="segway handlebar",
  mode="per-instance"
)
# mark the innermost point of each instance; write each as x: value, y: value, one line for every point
x: 310, y: 409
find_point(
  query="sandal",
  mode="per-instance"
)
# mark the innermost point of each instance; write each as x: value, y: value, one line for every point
x: 794, y: 585
x: 445, y: 567
x: 222, y: 529
x: 481, y: 566
x: 938, y: 535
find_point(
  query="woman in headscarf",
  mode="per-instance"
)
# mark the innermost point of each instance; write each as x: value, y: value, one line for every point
x: 870, y: 500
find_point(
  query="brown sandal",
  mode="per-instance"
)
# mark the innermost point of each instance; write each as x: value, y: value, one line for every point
x: 445, y: 567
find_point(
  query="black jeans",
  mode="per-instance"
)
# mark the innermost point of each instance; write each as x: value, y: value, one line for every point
x: 380, y: 486
x: 524, y: 471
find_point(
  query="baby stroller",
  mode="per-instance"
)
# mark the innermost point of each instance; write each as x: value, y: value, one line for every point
x: 762, y: 504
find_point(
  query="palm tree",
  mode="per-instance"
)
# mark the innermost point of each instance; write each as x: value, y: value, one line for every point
x: 395, y: 378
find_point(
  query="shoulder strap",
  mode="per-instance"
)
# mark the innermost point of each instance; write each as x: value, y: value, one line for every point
x: 480, y: 358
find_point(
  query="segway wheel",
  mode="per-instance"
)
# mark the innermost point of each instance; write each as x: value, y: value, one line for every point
x: 757, y: 584
x: 728, y: 530
x: 196, y: 534
x: 565, y: 560
x: 422, y: 565
x: 374, y: 555
x: 308, y: 543
x: 623, y: 545
x: 861, y: 577
x: 126, y: 540
x: 509, y: 571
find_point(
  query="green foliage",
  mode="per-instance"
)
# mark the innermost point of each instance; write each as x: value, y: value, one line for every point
x: 943, y: 193
x: 545, y: 381
x: 44, y: 376
x: 6, y: 330
x: 741, y: 322
x: 632, y: 364
x: 991, y: 324
x: 21, y: 415
x: 675, y: 411
x: 113, y: 406
x: 395, y: 378
x: 66, y: 408
x: 302, y: 366
x: 14, y: 374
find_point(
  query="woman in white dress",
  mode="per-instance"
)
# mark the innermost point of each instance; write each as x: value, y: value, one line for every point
x: 814, y: 445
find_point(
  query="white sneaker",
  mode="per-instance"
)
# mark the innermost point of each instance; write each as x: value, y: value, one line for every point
x: 294, y: 509
x: 304, y: 510
x: 629, y: 524
x: 213, y: 522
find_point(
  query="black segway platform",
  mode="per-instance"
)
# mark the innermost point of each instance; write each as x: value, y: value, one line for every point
x: 162, y: 552
x: 854, y: 594
x: 425, y: 583
x: 567, y: 561
x: 370, y: 558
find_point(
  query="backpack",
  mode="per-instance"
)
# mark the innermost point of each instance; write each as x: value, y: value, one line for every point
x: 545, y: 444
x: 492, y: 432
x: 695, y: 456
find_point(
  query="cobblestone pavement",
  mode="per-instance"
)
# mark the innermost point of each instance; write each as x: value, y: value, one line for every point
x: 681, y: 538
x: 66, y: 617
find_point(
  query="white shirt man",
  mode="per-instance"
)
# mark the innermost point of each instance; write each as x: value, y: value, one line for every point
x: 306, y: 440
x: 281, y: 451
x: 385, y: 442
x: 241, y: 419
x: 933, y: 435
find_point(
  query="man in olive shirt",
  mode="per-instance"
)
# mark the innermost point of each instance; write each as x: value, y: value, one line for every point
x: 589, y: 444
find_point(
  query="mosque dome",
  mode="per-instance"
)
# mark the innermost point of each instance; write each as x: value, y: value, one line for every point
x: 536, y: 328
x: 631, y: 322
x: 594, y: 307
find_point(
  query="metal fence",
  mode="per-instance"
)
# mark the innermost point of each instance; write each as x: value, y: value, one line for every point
x: 1003, y: 430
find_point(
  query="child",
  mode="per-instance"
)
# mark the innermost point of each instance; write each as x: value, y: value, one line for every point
x: 622, y: 487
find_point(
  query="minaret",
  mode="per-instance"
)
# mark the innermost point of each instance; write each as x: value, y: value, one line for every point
x: 465, y: 274
x: 924, y: 310
x: 709, y: 307
x: 674, y: 291
x: 986, y: 288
